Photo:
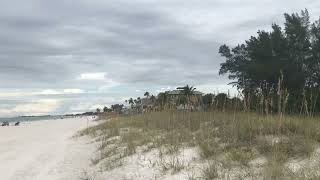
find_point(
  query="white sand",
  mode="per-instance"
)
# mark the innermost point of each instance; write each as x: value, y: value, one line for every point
x: 145, y: 166
x: 45, y: 150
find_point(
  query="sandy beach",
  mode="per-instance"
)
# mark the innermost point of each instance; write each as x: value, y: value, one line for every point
x: 45, y: 150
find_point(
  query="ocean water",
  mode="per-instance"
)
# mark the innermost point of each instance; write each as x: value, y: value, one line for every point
x: 30, y: 118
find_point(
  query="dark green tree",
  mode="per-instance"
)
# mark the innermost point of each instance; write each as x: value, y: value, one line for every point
x: 117, y: 107
x: 131, y: 102
x: 106, y: 109
x: 187, y: 91
x: 256, y: 65
x: 208, y: 100
x: 152, y: 98
x: 147, y: 94
x: 162, y: 100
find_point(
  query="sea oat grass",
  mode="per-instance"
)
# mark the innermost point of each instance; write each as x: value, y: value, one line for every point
x: 239, y: 136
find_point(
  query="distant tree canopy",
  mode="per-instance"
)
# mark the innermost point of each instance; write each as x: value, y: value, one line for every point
x: 147, y: 94
x: 292, y: 52
x: 106, y: 109
x: 117, y: 107
x: 208, y: 99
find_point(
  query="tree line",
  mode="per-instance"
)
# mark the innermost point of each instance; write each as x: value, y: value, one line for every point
x: 162, y: 101
x: 278, y: 68
x: 274, y: 71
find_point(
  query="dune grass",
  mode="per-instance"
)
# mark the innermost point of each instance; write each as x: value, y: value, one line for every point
x: 238, y: 137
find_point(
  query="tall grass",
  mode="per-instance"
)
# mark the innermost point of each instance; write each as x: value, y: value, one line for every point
x: 237, y: 135
x: 234, y: 130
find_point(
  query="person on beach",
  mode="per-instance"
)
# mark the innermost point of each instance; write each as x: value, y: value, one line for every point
x: 5, y: 123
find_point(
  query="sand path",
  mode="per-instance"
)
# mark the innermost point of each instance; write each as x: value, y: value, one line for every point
x: 44, y: 150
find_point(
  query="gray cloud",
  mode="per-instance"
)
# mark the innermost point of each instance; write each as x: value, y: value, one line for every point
x: 139, y: 44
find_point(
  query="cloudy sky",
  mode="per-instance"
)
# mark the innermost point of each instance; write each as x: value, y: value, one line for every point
x: 67, y: 56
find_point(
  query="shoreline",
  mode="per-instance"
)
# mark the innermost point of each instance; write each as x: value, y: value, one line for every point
x: 38, y: 118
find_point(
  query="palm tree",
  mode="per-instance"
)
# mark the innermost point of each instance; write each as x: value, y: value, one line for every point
x: 139, y: 100
x: 162, y: 99
x: 152, y: 98
x: 182, y: 101
x: 147, y: 94
x: 105, y: 109
x: 187, y: 91
x: 130, y: 101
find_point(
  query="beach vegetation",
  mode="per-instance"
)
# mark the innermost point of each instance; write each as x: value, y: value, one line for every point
x: 271, y: 122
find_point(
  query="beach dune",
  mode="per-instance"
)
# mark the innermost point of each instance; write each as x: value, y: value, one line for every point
x: 44, y: 150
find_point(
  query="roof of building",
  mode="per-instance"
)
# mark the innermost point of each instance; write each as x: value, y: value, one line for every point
x: 146, y: 101
x: 177, y: 92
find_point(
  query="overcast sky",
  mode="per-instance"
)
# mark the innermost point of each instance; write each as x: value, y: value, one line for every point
x: 67, y: 56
